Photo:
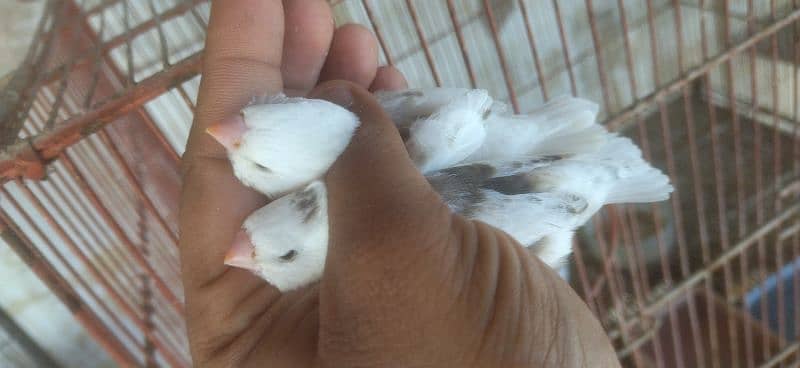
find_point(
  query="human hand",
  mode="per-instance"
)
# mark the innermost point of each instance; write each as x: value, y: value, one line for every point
x: 406, y: 282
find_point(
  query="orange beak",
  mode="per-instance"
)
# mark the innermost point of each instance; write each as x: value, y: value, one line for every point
x: 242, y: 253
x: 229, y: 132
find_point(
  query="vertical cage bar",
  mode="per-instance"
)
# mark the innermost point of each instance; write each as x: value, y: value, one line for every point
x: 120, y: 233
x: 23, y: 247
x: 537, y: 63
x: 565, y: 49
x: 451, y: 9
x: 598, y: 52
x: 423, y: 41
x: 376, y: 29
x: 498, y: 46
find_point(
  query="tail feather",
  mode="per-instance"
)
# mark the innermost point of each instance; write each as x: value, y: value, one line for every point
x: 618, y: 149
x: 470, y: 101
x: 564, y: 114
x: 563, y: 109
x: 586, y: 140
x: 407, y: 106
x: 638, y: 181
x: 615, y: 173
x: 565, y: 125
x: 648, y: 186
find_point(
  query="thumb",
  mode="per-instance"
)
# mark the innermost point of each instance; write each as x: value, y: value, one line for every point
x: 388, y: 248
x: 377, y: 198
x: 373, y: 185
x: 407, y: 281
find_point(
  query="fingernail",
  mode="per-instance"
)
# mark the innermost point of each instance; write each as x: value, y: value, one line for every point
x: 338, y: 93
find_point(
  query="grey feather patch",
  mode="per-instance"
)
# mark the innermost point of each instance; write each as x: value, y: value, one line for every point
x: 262, y: 167
x: 460, y: 186
x: 509, y: 185
x: 474, y: 173
x: 537, y: 246
x: 307, y: 203
x: 575, y: 204
x: 412, y: 93
x: 463, y: 187
x: 482, y: 175
x: 532, y: 163
x: 405, y: 133
x: 544, y: 159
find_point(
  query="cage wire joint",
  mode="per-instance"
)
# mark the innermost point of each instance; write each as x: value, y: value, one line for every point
x: 18, y: 158
x: 25, y: 162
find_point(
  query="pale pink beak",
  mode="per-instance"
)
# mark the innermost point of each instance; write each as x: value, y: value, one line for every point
x: 242, y: 253
x: 229, y: 132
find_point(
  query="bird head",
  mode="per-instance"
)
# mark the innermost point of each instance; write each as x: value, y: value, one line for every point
x: 280, y: 146
x: 286, y: 241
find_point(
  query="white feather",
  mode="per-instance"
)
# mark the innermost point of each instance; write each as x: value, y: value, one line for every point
x: 451, y: 134
x: 407, y: 106
x: 616, y: 173
x: 290, y: 143
x: 530, y: 217
x: 554, y: 248
x: 563, y: 125
x: 284, y: 226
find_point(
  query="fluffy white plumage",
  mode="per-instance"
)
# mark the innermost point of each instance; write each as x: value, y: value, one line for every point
x: 452, y: 133
x: 290, y: 142
x: 442, y: 117
x: 541, y: 204
x: 537, y: 177
x: 290, y: 237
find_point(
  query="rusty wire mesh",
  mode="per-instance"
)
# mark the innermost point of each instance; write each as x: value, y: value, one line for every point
x: 95, y: 120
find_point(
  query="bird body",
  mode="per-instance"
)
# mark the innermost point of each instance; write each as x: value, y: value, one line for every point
x: 537, y: 176
x: 561, y: 192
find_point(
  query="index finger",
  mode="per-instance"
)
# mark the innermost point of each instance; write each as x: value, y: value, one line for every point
x: 242, y: 59
x: 243, y: 52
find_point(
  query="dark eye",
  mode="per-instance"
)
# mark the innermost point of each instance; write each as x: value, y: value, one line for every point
x: 262, y: 167
x: 289, y: 256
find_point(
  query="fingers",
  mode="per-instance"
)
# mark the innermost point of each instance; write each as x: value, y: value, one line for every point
x: 243, y: 55
x: 388, y: 78
x: 237, y: 67
x: 244, y: 51
x: 242, y: 59
x: 389, y: 251
x: 353, y: 56
x: 307, y: 39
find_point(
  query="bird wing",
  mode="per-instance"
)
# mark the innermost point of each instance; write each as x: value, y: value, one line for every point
x: 564, y: 125
x: 462, y: 187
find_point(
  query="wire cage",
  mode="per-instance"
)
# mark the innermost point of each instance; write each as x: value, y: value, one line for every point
x: 95, y: 120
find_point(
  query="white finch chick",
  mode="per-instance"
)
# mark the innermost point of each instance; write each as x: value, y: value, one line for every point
x: 539, y: 201
x: 286, y: 241
x: 280, y: 146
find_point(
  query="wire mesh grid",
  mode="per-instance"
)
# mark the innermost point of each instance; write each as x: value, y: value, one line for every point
x: 95, y: 121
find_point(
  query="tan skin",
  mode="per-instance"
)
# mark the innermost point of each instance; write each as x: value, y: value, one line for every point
x: 406, y: 284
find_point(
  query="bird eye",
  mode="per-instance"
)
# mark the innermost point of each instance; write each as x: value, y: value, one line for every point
x: 262, y: 167
x: 289, y: 256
